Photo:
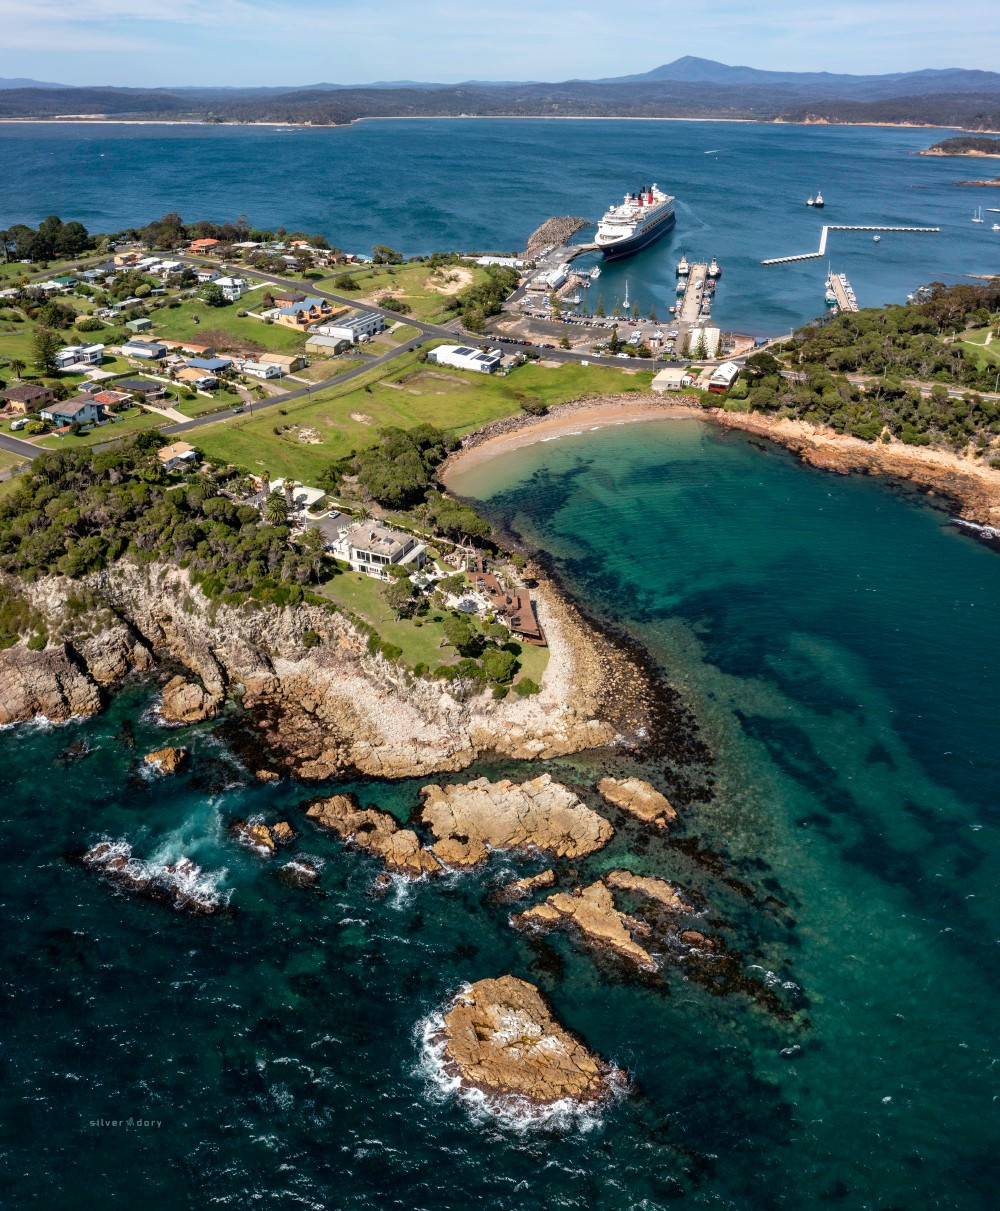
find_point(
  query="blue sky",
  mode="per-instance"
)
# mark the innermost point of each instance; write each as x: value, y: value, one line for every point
x: 261, y: 42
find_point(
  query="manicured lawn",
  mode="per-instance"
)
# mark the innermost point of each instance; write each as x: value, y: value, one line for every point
x: 362, y: 595
x: 973, y: 345
x: 405, y: 393
x: 130, y: 422
x: 220, y: 401
x: 418, y: 285
x: 178, y: 324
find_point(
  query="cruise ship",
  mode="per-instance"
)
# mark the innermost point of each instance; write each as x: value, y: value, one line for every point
x: 634, y: 224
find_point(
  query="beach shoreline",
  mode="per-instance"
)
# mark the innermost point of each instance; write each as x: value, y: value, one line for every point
x: 970, y: 491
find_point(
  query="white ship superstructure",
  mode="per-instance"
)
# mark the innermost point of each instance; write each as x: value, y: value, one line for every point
x: 634, y: 224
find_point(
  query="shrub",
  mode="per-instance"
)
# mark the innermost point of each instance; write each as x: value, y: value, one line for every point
x: 311, y: 639
x: 526, y: 687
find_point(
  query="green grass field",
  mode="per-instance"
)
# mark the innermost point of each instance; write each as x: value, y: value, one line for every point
x: 8, y: 460
x: 973, y: 345
x: 405, y: 393
x: 178, y: 324
x: 423, y: 643
x: 420, y: 286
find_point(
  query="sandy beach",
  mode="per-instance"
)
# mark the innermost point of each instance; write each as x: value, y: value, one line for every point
x: 515, y: 432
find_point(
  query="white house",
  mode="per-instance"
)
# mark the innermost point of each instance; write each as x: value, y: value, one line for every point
x: 303, y: 497
x: 79, y: 355
x: 723, y: 377
x: 206, y: 275
x: 82, y: 410
x: 232, y: 289
x: 462, y: 357
x: 371, y: 547
x: 355, y: 327
x: 263, y: 369
x: 508, y: 262
x: 180, y: 454
x: 671, y: 378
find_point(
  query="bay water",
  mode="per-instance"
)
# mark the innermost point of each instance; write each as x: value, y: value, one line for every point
x: 834, y: 642
x: 482, y: 185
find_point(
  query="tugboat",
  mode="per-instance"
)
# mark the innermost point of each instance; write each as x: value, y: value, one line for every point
x: 715, y: 269
x: 811, y: 201
x: 819, y: 203
x: 683, y: 268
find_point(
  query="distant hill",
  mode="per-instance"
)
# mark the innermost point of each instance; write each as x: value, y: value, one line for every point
x: 687, y: 88
x: 21, y: 82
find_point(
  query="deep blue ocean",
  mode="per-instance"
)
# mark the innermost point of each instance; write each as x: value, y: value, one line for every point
x: 485, y: 185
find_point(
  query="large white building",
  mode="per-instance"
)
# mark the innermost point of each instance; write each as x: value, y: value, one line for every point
x: 355, y: 328
x: 232, y: 289
x: 463, y: 357
x: 371, y: 547
x: 711, y: 336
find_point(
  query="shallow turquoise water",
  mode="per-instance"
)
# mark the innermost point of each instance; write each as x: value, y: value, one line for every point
x: 429, y: 185
x: 837, y: 644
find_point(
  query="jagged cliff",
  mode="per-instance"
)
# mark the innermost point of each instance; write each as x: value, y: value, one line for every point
x: 319, y: 711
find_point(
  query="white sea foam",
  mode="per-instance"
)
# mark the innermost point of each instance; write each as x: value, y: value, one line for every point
x: 185, y: 883
x: 511, y: 1113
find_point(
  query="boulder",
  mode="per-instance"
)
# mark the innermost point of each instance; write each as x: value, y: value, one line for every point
x: 47, y: 683
x: 265, y: 838
x: 591, y: 911
x: 187, y: 702
x: 472, y: 818
x: 500, y: 1037
x: 299, y: 873
x: 647, y: 885
x: 639, y: 799
x: 166, y: 760
x: 376, y: 831
x: 519, y: 888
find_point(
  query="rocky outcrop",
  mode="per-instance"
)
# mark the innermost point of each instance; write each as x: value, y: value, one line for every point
x: 660, y: 890
x: 518, y: 889
x: 500, y: 1037
x: 182, y: 885
x: 639, y: 799
x: 553, y: 232
x: 377, y: 832
x: 166, y: 760
x: 48, y: 683
x: 263, y: 838
x: 321, y: 711
x: 592, y: 913
x: 184, y: 701
x: 473, y: 818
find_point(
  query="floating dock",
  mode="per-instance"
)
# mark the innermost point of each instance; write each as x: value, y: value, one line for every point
x: 811, y: 256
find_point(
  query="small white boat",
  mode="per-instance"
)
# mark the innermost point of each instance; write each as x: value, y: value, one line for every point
x: 819, y: 200
x: 681, y: 287
x: 876, y: 239
x: 683, y: 268
x: 811, y: 201
x: 978, y: 216
x: 595, y: 273
x: 996, y: 226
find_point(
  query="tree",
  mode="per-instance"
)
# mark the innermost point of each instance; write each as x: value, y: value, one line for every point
x: 599, y: 309
x: 45, y: 346
x: 461, y: 634
x: 17, y: 366
x: 276, y: 509
x: 383, y: 255
x: 500, y: 665
x: 398, y: 596
x: 345, y: 281
x: 212, y: 296
x: 565, y: 342
x: 614, y: 341
x: 653, y: 316
x: 635, y: 311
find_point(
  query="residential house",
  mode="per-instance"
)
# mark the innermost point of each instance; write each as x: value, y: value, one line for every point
x: 356, y: 327
x: 723, y: 377
x: 142, y: 387
x: 79, y: 355
x: 233, y: 289
x: 372, y: 547
x: 141, y: 323
x: 166, y: 268
x: 197, y: 378
x: 213, y: 365
x: 122, y: 259
x: 300, y: 315
x: 82, y: 410
x: 288, y: 298
x: 263, y: 369
x: 327, y: 346
x: 288, y: 362
x: 671, y: 378
x: 462, y: 357
x: 206, y: 275
x: 298, y: 496
x: 177, y: 456
x: 111, y: 399
x: 27, y: 397
x: 150, y: 351
x: 202, y: 247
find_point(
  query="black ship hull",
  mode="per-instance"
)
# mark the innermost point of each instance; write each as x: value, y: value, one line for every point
x: 617, y: 252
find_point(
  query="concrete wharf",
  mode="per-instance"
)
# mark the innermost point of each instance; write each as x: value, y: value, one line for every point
x: 690, y: 308
x: 842, y: 289
x: 811, y: 256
